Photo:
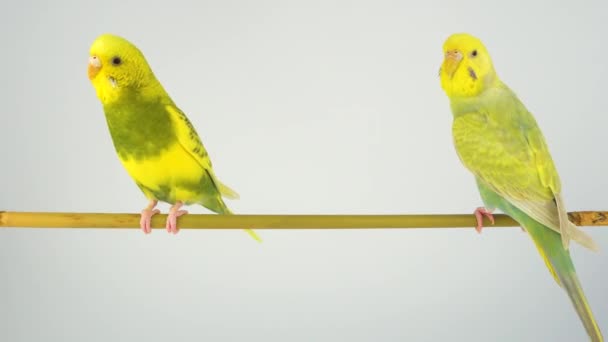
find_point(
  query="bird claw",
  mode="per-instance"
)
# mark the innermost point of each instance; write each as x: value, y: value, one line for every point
x: 174, y: 213
x: 479, y: 214
x: 146, y: 219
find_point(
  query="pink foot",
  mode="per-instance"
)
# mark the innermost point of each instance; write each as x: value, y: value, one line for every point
x: 174, y: 213
x: 146, y: 217
x: 479, y: 214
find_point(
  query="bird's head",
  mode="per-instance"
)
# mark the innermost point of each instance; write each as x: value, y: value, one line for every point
x: 467, y: 68
x: 117, y: 67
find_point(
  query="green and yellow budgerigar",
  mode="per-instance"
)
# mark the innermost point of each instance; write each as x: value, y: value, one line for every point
x: 154, y: 139
x: 499, y: 141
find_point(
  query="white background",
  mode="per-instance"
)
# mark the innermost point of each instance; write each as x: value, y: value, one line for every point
x: 310, y: 107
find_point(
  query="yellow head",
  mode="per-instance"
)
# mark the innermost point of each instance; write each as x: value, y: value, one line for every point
x: 467, y: 68
x: 117, y: 68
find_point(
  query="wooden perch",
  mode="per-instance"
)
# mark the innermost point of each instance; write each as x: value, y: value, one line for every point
x: 12, y: 219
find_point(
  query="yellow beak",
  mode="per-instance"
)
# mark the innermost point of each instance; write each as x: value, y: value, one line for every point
x: 94, y: 67
x: 452, y: 61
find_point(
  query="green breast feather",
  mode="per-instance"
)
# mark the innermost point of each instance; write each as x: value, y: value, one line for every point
x: 139, y: 130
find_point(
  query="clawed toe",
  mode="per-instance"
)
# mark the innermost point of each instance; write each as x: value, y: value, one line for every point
x: 479, y: 214
x: 146, y: 217
x: 174, y: 213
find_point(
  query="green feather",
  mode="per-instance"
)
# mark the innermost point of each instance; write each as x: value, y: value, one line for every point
x: 556, y: 258
x: 139, y: 129
x: 499, y: 141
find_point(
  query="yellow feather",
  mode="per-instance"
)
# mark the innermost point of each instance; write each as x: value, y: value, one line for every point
x: 142, y: 117
x: 227, y: 191
x: 171, y: 164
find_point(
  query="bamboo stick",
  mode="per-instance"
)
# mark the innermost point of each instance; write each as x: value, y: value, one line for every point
x: 13, y: 219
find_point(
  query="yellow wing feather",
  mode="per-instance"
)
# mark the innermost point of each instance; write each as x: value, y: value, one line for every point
x: 190, y: 141
x: 518, y: 167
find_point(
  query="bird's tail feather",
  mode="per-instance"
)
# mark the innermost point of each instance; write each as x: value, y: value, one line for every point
x: 251, y: 233
x: 557, y: 259
x: 570, y: 283
x: 226, y: 191
x: 569, y: 231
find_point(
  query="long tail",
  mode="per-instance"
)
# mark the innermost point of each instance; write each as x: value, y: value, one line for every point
x: 225, y: 191
x: 557, y: 259
x: 251, y: 233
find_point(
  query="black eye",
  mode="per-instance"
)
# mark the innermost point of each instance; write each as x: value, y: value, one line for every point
x: 116, y: 60
x: 474, y: 53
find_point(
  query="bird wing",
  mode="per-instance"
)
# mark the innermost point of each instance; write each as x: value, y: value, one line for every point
x: 512, y: 158
x: 190, y: 141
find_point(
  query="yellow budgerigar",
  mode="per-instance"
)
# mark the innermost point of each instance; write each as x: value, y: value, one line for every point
x: 154, y: 140
x: 499, y: 141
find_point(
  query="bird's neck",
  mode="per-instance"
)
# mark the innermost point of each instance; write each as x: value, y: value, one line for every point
x: 462, y: 105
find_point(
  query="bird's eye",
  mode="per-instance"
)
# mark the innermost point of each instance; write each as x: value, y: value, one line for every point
x: 474, y: 53
x: 116, y: 60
